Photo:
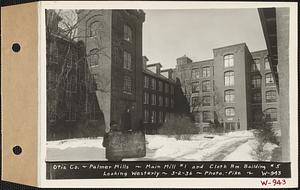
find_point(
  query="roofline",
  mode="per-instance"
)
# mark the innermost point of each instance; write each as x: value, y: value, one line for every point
x: 230, y: 46
x: 149, y: 72
x: 207, y: 60
x: 259, y: 51
x: 153, y: 64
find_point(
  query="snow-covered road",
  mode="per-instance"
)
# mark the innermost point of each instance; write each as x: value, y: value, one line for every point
x: 202, y: 147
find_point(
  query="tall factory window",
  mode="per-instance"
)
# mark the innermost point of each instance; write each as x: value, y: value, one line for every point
x: 229, y: 78
x: 172, y: 102
x: 94, y: 57
x: 256, y: 81
x: 127, y: 60
x: 271, y: 114
x: 206, y: 72
x: 267, y: 64
x: 146, y: 82
x: 127, y: 33
x: 206, y: 100
x: 160, y: 86
x: 146, y: 115
x: 229, y: 96
x: 172, y: 89
x: 255, y: 66
x: 146, y: 98
x: 127, y: 84
x: 195, y: 87
x: 166, y: 88
x: 160, y: 117
x: 256, y: 97
x: 160, y: 101
x: 228, y: 60
x: 195, y: 102
x: 206, y: 87
x: 95, y: 27
x: 153, y: 99
x: 271, y: 96
x: 195, y: 73
x: 206, y: 116
x: 153, y: 84
x: 153, y: 116
x: 166, y: 102
x: 229, y: 112
x: 269, y: 79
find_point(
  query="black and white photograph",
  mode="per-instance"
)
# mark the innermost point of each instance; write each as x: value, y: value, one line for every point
x: 133, y: 85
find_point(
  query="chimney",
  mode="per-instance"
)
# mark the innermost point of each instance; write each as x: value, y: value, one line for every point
x: 155, y: 67
x: 167, y: 73
x: 183, y: 60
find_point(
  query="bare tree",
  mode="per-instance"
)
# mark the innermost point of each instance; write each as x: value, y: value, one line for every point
x: 64, y: 25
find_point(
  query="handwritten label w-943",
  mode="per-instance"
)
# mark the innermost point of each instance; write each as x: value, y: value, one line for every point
x: 273, y: 182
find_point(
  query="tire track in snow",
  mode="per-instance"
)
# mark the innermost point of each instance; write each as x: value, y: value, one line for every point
x: 226, y: 149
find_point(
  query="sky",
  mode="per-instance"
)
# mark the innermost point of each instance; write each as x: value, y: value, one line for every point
x: 169, y: 34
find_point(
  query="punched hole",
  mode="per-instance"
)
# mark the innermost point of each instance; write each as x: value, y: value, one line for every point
x: 17, y: 150
x: 16, y: 47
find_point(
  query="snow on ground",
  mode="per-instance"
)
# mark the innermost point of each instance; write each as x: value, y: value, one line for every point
x: 85, y: 149
x: 245, y: 149
x: 201, y: 147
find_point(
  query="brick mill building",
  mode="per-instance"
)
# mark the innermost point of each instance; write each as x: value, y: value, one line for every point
x: 96, y: 78
x: 93, y: 80
x: 162, y: 96
x: 235, y: 88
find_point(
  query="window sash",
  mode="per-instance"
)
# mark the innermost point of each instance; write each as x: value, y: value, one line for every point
x: 146, y: 82
x: 127, y: 33
x: 146, y: 116
x: 269, y: 79
x: 271, y: 114
x: 153, y: 99
x: 229, y: 96
x: 195, y: 87
x: 267, y: 64
x: 206, y: 116
x: 271, y: 96
x: 146, y: 98
x: 127, y: 61
x: 228, y: 61
x: 256, y: 82
x: 206, y: 86
x: 195, y: 74
x: 127, y: 84
x: 166, y: 101
x: 206, y: 72
x: 206, y: 100
x: 153, y: 84
x: 230, y: 112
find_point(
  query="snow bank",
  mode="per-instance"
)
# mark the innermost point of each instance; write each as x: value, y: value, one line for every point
x: 75, y: 143
x: 246, y: 150
x: 231, y: 146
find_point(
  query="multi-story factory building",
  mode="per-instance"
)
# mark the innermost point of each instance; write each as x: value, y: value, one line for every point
x: 160, y: 94
x: 94, y: 77
x: 235, y: 88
